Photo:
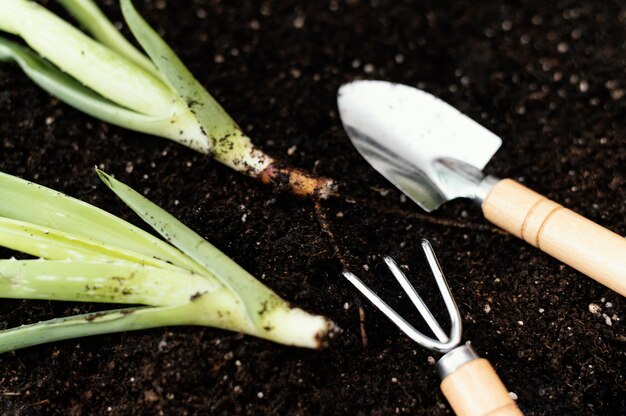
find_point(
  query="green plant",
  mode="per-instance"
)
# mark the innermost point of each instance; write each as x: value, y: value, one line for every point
x: 87, y: 254
x: 108, y: 78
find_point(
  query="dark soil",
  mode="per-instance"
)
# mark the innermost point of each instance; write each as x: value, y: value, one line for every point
x: 548, y: 77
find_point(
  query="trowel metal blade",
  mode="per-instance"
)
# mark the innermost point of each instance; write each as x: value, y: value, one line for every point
x: 425, y: 147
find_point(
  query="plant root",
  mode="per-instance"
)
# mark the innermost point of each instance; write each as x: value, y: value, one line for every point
x: 298, y: 182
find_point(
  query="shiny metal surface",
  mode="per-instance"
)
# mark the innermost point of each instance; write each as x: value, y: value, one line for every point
x: 443, y: 343
x: 455, y: 359
x: 425, y: 147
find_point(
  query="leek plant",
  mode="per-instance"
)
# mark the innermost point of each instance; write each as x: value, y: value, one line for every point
x: 87, y: 254
x: 105, y: 76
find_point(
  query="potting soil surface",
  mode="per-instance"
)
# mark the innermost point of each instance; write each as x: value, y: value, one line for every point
x: 548, y: 77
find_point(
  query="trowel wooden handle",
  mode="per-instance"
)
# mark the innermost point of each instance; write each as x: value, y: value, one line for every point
x: 474, y: 389
x: 560, y: 232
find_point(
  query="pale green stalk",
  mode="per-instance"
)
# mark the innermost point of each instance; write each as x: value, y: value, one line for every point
x: 214, y: 309
x: 29, y: 202
x: 87, y: 13
x: 57, y: 245
x: 230, y: 145
x: 94, y: 64
x: 97, y: 281
x: 108, y: 78
x: 96, y: 78
x: 119, y: 321
x: 205, y: 286
x: 256, y: 297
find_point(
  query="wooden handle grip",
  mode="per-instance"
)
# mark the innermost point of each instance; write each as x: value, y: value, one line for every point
x: 474, y: 389
x: 560, y: 232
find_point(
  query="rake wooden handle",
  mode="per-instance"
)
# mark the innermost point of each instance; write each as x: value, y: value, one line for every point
x: 560, y: 232
x: 474, y: 389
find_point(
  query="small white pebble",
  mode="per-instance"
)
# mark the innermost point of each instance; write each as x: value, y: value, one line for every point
x: 259, y: 395
x: 394, y: 380
x: 583, y: 86
x: 298, y: 22
x: 366, y: 267
x: 431, y: 360
x: 292, y: 150
x: 219, y: 58
x: 295, y: 73
x: 238, y: 363
x: 487, y: 308
x: 562, y: 47
x: 244, y: 217
x: 512, y: 395
x: 595, y: 309
x: 521, y: 323
x: 617, y: 94
x: 608, y: 304
x: 339, y: 214
x: 346, y: 306
x: 541, y: 310
x: 607, y: 319
x: 368, y: 68
x: 49, y: 120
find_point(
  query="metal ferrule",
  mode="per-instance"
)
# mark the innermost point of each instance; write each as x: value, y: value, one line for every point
x: 484, y: 187
x: 450, y: 362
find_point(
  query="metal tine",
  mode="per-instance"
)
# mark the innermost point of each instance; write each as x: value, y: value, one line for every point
x: 456, y: 325
x: 444, y: 343
x: 417, y: 300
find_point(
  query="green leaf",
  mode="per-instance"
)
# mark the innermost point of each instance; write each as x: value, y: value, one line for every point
x: 216, y: 309
x: 89, y: 15
x: 107, y: 322
x: 100, y: 281
x: 257, y: 298
x: 93, y: 64
x: 213, y: 118
x: 60, y: 212
x: 214, y: 291
x: 53, y: 244
x: 181, y: 127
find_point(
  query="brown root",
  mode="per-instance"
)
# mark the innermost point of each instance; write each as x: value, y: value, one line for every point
x: 297, y: 181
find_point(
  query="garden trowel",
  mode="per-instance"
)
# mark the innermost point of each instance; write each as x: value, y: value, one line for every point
x: 433, y: 153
